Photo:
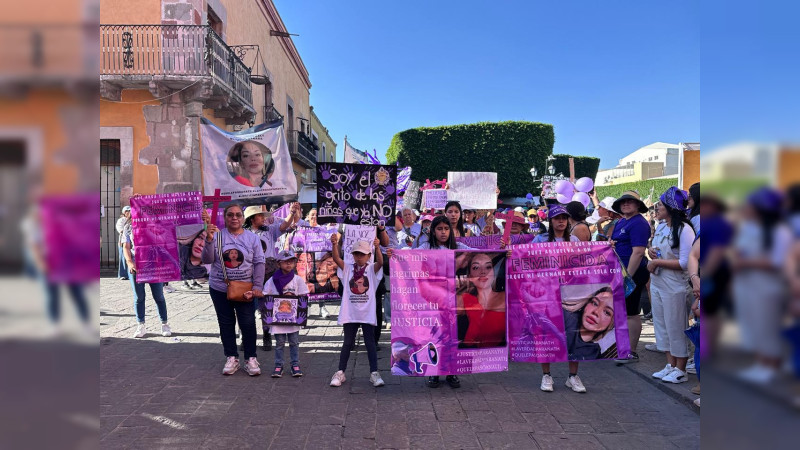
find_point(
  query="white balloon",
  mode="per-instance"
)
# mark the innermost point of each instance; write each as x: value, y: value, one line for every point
x: 563, y: 199
x: 584, y: 184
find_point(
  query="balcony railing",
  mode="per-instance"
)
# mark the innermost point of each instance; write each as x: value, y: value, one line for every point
x: 302, y: 148
x: 36, y: 53
x: 271, y: 114
x: 145, y: 52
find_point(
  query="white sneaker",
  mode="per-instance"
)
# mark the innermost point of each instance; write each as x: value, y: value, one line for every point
x: 653, y: 348
x: 697, y: 402
x: 231, y: 366
x: 169, y: 289
x: 575, y: 383
x: 166, y: 331
x: 690, y: 368
x: 375, y: 379
x: 338, y: 379
x: 140, y: 331
x: 323, y: 311
x: 677, y: 376
x: 663, y: 372
x: 547, y: 383
x: 758, y: 374
x: 252, y: 367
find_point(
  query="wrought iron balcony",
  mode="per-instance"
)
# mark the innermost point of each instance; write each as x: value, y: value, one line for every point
x: 302, y: 148
x: 271, y: 114
x: 174, y: 54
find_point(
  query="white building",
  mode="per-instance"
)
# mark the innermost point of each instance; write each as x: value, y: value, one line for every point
x: 658, y: 159
x: 668, y: 154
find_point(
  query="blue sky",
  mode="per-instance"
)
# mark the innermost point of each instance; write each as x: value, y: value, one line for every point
x: 609, y: 77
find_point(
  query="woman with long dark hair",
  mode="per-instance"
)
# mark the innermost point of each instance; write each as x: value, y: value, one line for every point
x: 669, y: 283
x: 693, y: 207
x: 453, y: 212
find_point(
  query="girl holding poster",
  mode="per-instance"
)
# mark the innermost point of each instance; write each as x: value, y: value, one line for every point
x: 359, y: 308
x: 559, y: 232
x: 481, y: 301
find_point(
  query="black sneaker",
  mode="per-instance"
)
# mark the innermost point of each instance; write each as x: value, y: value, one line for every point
x: 453, y: 381
x: 277, y: 372
x: 433, y: 382
x: 634, y: 358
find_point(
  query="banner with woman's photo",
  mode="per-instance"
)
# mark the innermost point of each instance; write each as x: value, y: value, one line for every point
x: 448, y: 312
x: 253, y: 163
x: 168, y: 236
x: 315, y: 262
x: 566, y: 301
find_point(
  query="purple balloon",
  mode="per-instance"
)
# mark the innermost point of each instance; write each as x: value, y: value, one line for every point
x: 565, y: 188
x: 563, y: 199
x: 582, y: 197
x: 584, y: 184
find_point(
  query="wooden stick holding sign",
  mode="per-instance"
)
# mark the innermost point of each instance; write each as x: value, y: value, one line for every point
x: 215, y: 200
x: 509, y: 218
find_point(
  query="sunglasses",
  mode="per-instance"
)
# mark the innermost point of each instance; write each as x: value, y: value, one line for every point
x: 236, y: 215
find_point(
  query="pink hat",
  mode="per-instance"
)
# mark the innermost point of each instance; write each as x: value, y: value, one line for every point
x: 426, y: 217
x: 542, y: 214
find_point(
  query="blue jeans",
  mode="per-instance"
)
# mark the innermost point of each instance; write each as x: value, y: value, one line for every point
x: 294, y: 348
x: 123, y: 265
x: 228, y: 313
x: 157, y: 289
x: 53, y: 291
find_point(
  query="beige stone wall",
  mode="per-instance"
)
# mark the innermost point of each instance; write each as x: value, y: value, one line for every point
x: 324, y: 137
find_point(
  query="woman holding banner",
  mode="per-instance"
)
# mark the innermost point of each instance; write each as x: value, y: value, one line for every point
x: 234, y: 238
x: 481, y: 302
x: 559, y: 232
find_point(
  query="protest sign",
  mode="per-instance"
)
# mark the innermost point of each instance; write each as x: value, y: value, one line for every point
x: 283, y: 310
x: 438, y: 324
x: 492, y: 242
x: 549, y: 185
x: 317, y: 239
x: 353, y: 234
x: 413, y: 195
x: 253, y: 163
x: 154, y: 220
x: 434, y: 198
x: 358, y: 194
x: 474, y: 190
x: 566, y: 301
x: 70, y: 250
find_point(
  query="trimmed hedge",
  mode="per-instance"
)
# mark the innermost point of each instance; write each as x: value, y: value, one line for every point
x: 508, y: 148
x: 585, y: 166
x: 643, y: 187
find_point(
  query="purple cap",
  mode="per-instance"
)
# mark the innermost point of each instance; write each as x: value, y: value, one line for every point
x: 556, y: 210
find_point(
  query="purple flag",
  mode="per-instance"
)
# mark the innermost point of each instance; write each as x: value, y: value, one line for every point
x: 448, y: 312
x: 566, y: 301
x: 154, y: 219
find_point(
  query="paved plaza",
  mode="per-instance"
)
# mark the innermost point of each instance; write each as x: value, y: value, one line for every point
x: 168, y: 392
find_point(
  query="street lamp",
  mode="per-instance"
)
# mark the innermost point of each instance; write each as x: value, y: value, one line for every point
x: 534, y: 172
x: 551, y: 169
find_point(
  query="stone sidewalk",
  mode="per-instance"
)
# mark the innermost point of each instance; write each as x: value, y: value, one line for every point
x: 169, y: 392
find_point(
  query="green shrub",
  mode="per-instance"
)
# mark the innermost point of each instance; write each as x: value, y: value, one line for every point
x: 508, y: 148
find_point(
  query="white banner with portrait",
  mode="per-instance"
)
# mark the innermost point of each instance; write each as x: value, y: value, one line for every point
x: 253, y: 163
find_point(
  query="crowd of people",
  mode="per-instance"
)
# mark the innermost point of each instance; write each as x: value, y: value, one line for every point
x: 658, y: 246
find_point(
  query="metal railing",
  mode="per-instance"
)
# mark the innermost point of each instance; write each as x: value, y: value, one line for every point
x: 52, y: 51
x: 271, y: 114
x: 300, y: 145
x: 144, y: 51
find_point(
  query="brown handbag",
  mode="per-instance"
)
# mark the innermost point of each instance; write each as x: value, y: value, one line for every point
x: 236, y: 289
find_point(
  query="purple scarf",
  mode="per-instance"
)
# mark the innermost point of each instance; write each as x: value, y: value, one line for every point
x: 280, y: 279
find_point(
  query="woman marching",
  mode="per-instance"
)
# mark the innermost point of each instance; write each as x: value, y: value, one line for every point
x: 669, y: 289
x: 559, y: 232
x: 221, y: 244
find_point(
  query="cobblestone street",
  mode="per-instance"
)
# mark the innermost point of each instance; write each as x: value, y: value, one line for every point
x: 169, y: 392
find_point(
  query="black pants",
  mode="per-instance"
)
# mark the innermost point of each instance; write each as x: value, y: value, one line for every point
x: 633, y: 301
x: 350, y: 331
x: 228, y: 313
x: 379, y: 293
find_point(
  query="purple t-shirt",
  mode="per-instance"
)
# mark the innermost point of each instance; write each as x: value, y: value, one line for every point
x: 629, y: 233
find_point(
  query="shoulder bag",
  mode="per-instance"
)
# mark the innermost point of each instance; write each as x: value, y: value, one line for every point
x: 236, y: 289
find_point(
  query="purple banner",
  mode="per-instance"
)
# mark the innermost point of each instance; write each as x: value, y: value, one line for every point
x: 448, y: 312
x: 492, y: 242
x: 155, y: 219
x: 71, y: 250
x: 357, y: 194
x: 566, y: 301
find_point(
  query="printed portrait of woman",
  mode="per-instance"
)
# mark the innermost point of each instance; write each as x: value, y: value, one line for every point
x: 481, y: 299
x: 589, y: 324
x: 233, y: 258
x: 359, y: 285
x: 191, y: 242
x: 251, y: 164
x: 319, y: 271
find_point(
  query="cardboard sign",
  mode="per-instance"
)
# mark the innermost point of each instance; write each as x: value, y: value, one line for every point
x: 413, y: 196
x: 435, y: 198
x: 357, y: 194
x: 284, y: 310
x: 474, y: 190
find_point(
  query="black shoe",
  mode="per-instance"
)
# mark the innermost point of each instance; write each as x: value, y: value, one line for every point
x: 267, y: 343
x: 648, y: 316
x: 453, y: 381
x: 433, y: 382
